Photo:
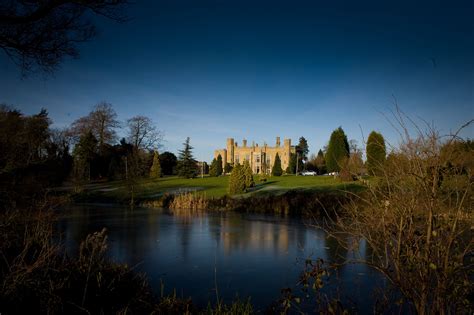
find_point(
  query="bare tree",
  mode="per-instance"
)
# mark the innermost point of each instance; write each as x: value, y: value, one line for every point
x: 39, y: 34
x: 101, y: 121
x: 143, y: 133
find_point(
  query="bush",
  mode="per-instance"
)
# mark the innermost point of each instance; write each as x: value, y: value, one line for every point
x: 237, y: 180
x: 417, y: 225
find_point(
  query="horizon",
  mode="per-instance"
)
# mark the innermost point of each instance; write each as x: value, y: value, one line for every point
x: 216, y: 70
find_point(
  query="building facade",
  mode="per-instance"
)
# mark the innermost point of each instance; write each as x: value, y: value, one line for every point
x: 261, y: 158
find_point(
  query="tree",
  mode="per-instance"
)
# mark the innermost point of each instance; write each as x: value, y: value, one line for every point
x: 376, y: 153
x: 155, y: 171
x: 101, y: 121
x: 219, y: 165
x: 39, y: 34
x: 186, y: 163
x: 24, y: 140
x: 216, y: 167
x: 213, y: 168
x: 320, y: 162
x: 337, y: 150
x: 291, y: 169
x: 227, y: 168
x: 302, y: 149
x: 237, y: 180
x: 142, y: 132
x: 276, y: 169
x: 84, y: 152
x: 248, y: 174
x: 168, y: 162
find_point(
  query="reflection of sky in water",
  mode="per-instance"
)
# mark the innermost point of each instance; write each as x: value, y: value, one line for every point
x: 248, y: 255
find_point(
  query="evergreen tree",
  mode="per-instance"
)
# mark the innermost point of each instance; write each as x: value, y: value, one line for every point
x: 84, y: 153
x: 249, y: 182
x: 303, y: 149
x: 338, y: 149
x: 320, y: 162
x: 213, y: 168
x: 219, y: 165
x: 187, y: 166
x: 276, y: 169
x: 227, y: 168
x: 376, y: 153
x: 291, y: 169
x: 155, y: 171
x: 168, y: 162
x: 237, y: 180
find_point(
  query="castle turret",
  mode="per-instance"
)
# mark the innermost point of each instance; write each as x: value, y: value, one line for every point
x: 277, y: 142
x: 230, y: 151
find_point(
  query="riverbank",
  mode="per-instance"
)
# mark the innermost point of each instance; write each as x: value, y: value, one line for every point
x: 285, y: 194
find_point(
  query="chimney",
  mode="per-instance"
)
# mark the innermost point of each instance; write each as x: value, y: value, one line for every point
x: 244, y: 143
x: 278, y: 142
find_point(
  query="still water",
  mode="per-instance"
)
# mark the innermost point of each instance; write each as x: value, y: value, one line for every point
x: 240, y: 254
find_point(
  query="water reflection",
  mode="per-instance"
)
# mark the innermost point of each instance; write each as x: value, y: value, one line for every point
x: 248, y: 255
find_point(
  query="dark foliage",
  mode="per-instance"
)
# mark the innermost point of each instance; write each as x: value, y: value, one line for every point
x: 338, y: 149
x: 37, y: 35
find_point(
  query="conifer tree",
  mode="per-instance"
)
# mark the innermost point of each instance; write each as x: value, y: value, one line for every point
x: 227, y: 168
x: 237, y: 180
x: 155, y: 171
x: 84, y: 153
x: 376, y: 153
x: 249, y: 182
x: 213, y: 168
x: 338, y: 150
x: 276, y: 169
x: 320, y: 162
x: 219, y: 165
x: 187, y: 165
x: 303, y: 149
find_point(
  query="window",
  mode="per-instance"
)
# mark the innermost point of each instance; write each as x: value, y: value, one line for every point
x: 257, y: 159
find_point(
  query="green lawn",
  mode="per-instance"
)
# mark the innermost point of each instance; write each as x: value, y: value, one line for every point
x: 217, y: 186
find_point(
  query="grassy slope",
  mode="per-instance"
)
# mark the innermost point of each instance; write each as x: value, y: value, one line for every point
x: 217, y: 186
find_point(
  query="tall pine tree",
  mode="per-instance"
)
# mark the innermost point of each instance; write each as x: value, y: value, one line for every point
x: 187, y: 165
x: 338, y: 150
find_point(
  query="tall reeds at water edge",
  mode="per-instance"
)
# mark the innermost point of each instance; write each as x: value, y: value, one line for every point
x: 189, y: 202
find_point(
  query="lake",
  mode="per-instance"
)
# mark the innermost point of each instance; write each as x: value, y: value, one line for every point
x: 245, y: 255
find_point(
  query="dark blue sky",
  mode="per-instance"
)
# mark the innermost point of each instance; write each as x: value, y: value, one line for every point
x: 260, y: 69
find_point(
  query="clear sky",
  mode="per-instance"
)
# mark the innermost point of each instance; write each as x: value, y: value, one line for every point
x: 260, y: 69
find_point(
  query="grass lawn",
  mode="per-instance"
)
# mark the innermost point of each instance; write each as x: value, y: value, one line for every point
x: 217, y: 186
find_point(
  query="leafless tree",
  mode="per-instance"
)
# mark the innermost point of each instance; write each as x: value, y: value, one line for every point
x: 101, y: 121
x: 39, y: 34
x: 143, y: 133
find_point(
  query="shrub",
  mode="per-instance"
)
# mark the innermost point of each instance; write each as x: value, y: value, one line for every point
x: 417, y: 225
x: 237, y: 180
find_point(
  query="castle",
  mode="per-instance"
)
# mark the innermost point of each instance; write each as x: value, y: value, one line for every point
x: 261, y: 158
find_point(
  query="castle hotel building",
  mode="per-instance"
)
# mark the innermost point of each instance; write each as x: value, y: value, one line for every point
x: 261, y: 158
